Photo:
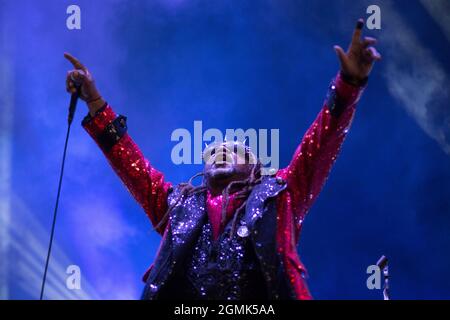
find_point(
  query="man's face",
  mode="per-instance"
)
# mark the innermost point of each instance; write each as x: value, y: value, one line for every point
x: 226, y: 162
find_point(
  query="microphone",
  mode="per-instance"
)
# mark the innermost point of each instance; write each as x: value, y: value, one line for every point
x: 73, y: 104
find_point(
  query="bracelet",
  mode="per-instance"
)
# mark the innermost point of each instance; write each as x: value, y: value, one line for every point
x: 88, y: 117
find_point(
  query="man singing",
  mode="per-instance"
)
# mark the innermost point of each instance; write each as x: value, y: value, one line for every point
x: 235, y: 235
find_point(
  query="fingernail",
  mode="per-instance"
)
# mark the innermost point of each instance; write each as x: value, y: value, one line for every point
x: 360, y: 24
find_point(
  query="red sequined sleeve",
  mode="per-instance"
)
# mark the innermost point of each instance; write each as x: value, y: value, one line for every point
x: 145, y: 183
x: 317, y: 152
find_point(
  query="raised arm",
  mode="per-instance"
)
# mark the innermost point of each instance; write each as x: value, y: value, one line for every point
x: 317, y: 152
x: 109, y: 131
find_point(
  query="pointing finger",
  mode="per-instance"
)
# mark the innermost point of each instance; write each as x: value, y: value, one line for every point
x: 356, y: 38
x: 74, y: 61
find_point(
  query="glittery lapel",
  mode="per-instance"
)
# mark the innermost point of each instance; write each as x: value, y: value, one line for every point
x: 186, y: 220
x: 268, y: 188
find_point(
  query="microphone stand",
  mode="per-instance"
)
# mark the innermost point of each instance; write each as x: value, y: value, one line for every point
x: 383, y: 265
x: 72, y: 108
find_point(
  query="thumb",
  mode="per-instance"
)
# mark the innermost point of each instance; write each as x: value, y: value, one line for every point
x: 341, y: 54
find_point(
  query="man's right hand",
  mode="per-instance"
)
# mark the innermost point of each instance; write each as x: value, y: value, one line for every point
x: 82, y: 78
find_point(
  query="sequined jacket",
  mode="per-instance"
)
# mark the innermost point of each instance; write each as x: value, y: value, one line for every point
x: 278, y: 206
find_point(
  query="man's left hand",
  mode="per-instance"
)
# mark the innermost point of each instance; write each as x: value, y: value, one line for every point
x: 358, y: 61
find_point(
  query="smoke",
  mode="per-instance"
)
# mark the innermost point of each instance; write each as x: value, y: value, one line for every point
x: 29, y: 243
x: 422, y: 84
x: 440, y: 11
x: 91, y: 231
x: 6, y: 120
